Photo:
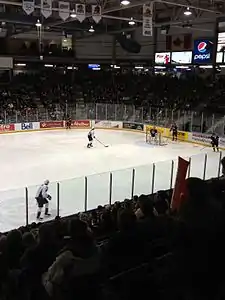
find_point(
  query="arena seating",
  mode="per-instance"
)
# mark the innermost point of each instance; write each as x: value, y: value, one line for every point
x: 136, y: 247
x: 51, y: 87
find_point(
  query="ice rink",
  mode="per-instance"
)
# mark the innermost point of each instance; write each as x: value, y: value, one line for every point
x: 27, y: 159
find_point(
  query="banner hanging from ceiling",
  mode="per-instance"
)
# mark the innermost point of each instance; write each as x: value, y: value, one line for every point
x: 64, y: 10
x: 28, y: 6
x: 147, y: 26
x: 80, y: 12
x: 46, y: 8
x: 96, y: 13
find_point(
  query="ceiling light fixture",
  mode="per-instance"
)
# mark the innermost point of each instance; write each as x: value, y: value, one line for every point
x: 131, y: 22
x: 38, y: 23
x: 187, y: 12
x: 91, y: 29
x: 125, y: 2
x: 73, y: 14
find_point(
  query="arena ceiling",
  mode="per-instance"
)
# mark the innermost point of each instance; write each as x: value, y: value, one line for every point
x: 115, y: 16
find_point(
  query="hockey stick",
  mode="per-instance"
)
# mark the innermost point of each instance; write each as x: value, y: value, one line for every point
x: 203, y: 148
x: 101, y: 143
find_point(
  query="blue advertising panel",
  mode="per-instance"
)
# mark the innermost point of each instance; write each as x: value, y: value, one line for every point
x: 203, y: 51
x: 26, y: 126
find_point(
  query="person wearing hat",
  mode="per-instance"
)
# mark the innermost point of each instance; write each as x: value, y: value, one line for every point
x: 43, y: 198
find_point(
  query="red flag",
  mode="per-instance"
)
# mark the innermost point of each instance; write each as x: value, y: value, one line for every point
x: 180, y: 184
x: 179, y: 42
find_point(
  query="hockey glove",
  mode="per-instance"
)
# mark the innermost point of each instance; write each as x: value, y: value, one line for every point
x: 49, y: 197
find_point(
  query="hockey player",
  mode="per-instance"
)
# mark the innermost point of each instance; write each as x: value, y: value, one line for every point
x: 91, y: 136
x: 153, y: 134
x: 68, y: 123
x: 43, y: 198
x: 174, y: 130
x: 215, y: 142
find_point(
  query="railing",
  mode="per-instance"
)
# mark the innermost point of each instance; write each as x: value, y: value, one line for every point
x: 18, y: 207
x: 186, y: 120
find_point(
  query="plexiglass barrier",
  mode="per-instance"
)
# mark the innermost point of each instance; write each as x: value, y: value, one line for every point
x: 18, y: 207
x: 186, y: 120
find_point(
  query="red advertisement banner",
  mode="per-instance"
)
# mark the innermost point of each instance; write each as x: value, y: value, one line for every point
x: 51, y: 124
x: 80, y: 123
x: 8, y: 127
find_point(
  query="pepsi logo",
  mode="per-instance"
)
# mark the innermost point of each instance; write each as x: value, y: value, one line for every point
x: 202, y: 47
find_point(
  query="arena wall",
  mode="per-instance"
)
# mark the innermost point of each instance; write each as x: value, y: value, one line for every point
x: 183, y: 136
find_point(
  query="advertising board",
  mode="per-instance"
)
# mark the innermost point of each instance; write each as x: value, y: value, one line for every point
x: 219, y: 57
x: 51, y: 124
x: 203, y: 51
x: 107, y: 124
x: 221, y: 42
x: 159, y: 129
x: 162, y: 58
x: 134, y: 126
x: 183, y: 57
x: 7, y: 127
x: 205, y: 138
x: 181, y: 135
x: 26, y: 126
x: 80, y: 123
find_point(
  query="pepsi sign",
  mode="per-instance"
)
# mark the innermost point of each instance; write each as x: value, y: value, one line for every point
x: 203, y: 51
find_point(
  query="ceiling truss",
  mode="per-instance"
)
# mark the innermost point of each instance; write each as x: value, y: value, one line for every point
x: 115, y: 17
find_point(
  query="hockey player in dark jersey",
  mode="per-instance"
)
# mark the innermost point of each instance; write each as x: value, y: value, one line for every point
x: 91, y: 136
x: 174, y: 130
x: 215, y: 142
x: 153, y: 134
x: 68, y: 123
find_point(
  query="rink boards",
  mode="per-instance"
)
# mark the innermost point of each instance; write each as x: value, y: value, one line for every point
x: 190, y: 137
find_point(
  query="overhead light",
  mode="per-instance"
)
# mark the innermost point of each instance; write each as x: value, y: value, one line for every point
x: 38, y: 23
x: 182, y: 67
x: 20, y: 65
x: 64, y: 40
x: 159, y: 67
x: 131, y: 22
x: 91, y: 29
x: 73, y: 14
x: 187, y: 12
x: 49, y: 66
x: 125, y: 2
x: 206, y: 67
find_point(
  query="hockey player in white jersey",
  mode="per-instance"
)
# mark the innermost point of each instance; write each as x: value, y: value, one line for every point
x: 91, y: 136
x: 43, y: 198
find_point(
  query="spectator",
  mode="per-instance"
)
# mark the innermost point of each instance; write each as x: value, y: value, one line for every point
x: 75, y: 270
x: 37, y: 259
x: 14, y: 249
x: 200, y: 249
x: 28, y: 240
x: 125, y: 248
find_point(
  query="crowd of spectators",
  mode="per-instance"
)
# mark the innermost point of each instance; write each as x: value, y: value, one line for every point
x: 53, y: 89
x: 134, y: 248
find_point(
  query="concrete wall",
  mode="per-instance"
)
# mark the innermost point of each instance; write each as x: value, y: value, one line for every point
x: 95, y: 47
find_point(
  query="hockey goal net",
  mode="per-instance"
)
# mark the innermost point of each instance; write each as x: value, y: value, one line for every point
x: 157, y: 140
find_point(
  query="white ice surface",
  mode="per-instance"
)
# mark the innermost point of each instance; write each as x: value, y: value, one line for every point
x: 27, y: 159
